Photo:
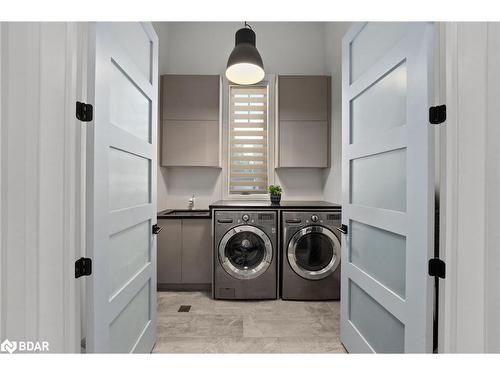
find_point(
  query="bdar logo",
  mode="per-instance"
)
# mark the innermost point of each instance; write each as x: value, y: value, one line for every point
x: 8, y: 346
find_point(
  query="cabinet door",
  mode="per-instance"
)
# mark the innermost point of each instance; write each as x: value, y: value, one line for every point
x: 190, y: 121
x: 304, y: 98
x: 196, y: 251
x: 169, y: 256
x: 190, y: 97
x: 303, y: 144
x: 303, y: 122
x: 190, y: 143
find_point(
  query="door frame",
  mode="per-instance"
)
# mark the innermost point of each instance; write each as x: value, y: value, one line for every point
x: 50, y: 222
x: 469, y: 209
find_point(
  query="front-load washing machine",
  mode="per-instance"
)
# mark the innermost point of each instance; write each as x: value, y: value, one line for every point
x: 245, y: 254
x: 311, y: 255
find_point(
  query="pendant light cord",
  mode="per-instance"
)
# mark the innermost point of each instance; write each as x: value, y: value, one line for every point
x: 247, y: 25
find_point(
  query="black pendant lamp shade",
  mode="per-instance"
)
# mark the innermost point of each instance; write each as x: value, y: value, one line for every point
x: 245, y: 66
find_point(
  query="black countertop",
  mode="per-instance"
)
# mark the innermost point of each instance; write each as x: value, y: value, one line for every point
x: 244, y: 204
x: 183, y: 214
x: 269, y: 205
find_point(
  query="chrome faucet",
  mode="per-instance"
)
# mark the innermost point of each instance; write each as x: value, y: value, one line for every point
x: 191, y: 202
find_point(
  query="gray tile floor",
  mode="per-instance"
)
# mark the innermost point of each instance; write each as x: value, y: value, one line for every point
x: 246, y: 326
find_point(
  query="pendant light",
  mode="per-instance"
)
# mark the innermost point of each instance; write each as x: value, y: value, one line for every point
x: 244, y: 66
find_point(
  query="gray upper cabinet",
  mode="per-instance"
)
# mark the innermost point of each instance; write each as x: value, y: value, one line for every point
x: 303, y: 128
x: 190, y: 97
x: 190, y: 116
x: 303, y: 144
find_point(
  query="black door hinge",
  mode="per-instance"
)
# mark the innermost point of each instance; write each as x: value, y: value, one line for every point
x: 437, y: 268
x: 83, y: 267
x: 437, y: 114
x: 84, y: 111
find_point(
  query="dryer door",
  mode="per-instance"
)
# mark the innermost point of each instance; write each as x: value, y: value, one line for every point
x: 245, y: 252
x: 314, y: 252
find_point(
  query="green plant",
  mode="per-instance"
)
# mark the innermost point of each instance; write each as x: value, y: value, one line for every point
x: 275, y: 189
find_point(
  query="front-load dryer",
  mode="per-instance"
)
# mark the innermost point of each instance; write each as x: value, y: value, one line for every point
x: 311, y: 255
x: 245, y: 255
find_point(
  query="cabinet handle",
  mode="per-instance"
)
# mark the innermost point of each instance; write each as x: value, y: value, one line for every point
x: 156, y: 229
x: 343, y: 229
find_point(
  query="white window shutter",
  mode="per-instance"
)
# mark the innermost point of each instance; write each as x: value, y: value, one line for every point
x: 248, y: 132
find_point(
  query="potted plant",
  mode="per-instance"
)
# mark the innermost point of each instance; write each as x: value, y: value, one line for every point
x: 275, y: 191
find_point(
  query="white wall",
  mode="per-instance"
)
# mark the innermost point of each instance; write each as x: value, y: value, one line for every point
x: 472, y: 253
x: 40, y: 171
x: 334, y: 32
x: 203, y: 48
x: 285, y: 47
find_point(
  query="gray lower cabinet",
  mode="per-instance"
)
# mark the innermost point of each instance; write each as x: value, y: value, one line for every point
x: 196, y: 251
x: 184, y: 254
x: 169, y: 252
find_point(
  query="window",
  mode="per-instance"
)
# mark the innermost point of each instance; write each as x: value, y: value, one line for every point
x: 248, y: 143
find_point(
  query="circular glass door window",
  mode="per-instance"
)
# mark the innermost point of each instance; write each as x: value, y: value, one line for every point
x: 314, y: 252
x: 245, y: 252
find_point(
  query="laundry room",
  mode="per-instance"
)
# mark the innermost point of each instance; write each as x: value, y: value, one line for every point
x: 249, y: 187
x: 225, y: 284
x: 249, y: 184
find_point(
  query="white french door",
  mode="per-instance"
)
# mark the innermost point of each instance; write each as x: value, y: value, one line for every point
x: 121, y: 190
x: 387, y: 188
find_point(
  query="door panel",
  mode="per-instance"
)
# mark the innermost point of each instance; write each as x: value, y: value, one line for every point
x: 380, y: 180
x: 381, y: 330
x: 371, y: 43
x: 129, y: 177
x: 129, y: 324
x: 379, y: 253
x: 130, y: 250
x: 380, y: 107
x: 388, y: 196
x: 129, y: 108
x: 121, y: 292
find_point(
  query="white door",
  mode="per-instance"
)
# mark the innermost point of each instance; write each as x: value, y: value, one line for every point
x: 121, y: 292
x: 387, y: 188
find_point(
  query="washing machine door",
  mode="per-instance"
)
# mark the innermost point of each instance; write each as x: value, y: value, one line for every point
x: 245, y: 252
x: 314, y: 252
